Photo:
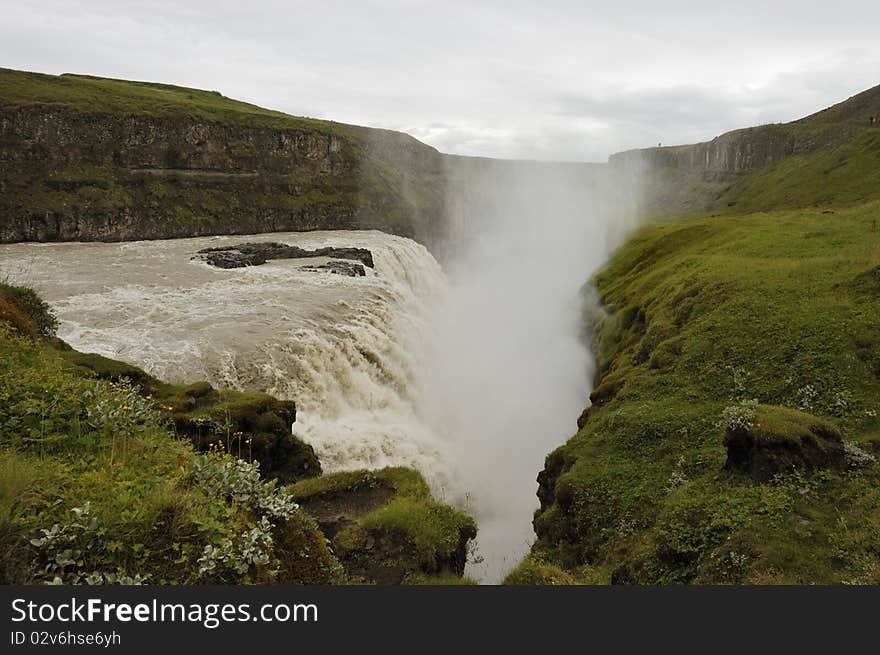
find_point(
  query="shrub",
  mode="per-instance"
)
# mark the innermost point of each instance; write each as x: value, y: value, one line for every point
x: 855, y: 457
x: 29, y: 302
x: 63, y: 553
x: 239, y: 482
x: 252, y: 548
x: 739, y: 417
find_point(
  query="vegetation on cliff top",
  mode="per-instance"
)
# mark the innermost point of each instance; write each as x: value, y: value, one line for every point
x: 831, y: 158
x: 97, y: 95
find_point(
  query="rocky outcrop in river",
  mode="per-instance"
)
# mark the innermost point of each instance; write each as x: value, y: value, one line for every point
x: 255, y: 254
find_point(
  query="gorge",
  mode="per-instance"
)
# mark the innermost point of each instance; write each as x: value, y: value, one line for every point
x: 405, y: 366
x: 500, y: 300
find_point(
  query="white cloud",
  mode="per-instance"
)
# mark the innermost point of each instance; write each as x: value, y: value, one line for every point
x: 556, y: 80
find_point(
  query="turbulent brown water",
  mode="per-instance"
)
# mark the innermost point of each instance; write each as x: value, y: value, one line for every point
x: 341, y: 347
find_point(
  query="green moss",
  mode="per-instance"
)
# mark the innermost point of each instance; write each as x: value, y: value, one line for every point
x: 434, y: 530
x: 104, y: 368
x: 304, y: 554
x: 532, y: 571
x: 440, y: 579
x: 786, y: 425
x: 398, y: 480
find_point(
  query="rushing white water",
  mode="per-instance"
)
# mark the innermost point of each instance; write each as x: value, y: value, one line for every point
x: 343, y: 348
x: 509, y: 371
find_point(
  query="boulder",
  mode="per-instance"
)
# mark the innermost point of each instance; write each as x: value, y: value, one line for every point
x: 385, y: 527
x: 339, y: 267
x: 778, y: 440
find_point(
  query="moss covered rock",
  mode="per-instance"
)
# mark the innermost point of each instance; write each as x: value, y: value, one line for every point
x: 385, y: 527
x: 304, y: 554
x: 779, y: 440
x: 251, y: 426
x: 533, y: 571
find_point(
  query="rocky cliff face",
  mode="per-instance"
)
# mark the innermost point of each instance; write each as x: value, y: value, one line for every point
x: 735, y: 152
x: 71, y: 170
x: 753, y: 148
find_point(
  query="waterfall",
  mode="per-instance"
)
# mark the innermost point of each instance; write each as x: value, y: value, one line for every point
x: 344, y: 348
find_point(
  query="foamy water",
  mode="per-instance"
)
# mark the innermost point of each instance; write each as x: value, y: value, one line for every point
x: 343, y: 348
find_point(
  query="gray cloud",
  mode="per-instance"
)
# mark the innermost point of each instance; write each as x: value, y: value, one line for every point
x: 559, y: 80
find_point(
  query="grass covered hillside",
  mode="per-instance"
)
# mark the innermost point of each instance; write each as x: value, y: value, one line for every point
x: 86, y: 158
x: 110, y: 476
x: 735, y: 423
x: 831, y: 157
x: 846, y: 173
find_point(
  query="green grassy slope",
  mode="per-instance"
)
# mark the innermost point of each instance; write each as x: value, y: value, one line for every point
x: 733, y: 433
x: 95, y: 95
x: 842, y: 174
x: 697, y: 316
x: 95, y: 489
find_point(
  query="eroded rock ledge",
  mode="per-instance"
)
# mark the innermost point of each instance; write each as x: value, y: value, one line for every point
x: 255, y: 254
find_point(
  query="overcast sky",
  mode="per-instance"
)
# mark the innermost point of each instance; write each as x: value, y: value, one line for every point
x: 541, y: 80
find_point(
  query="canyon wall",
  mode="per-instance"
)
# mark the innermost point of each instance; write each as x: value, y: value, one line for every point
x: 86, y: 159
